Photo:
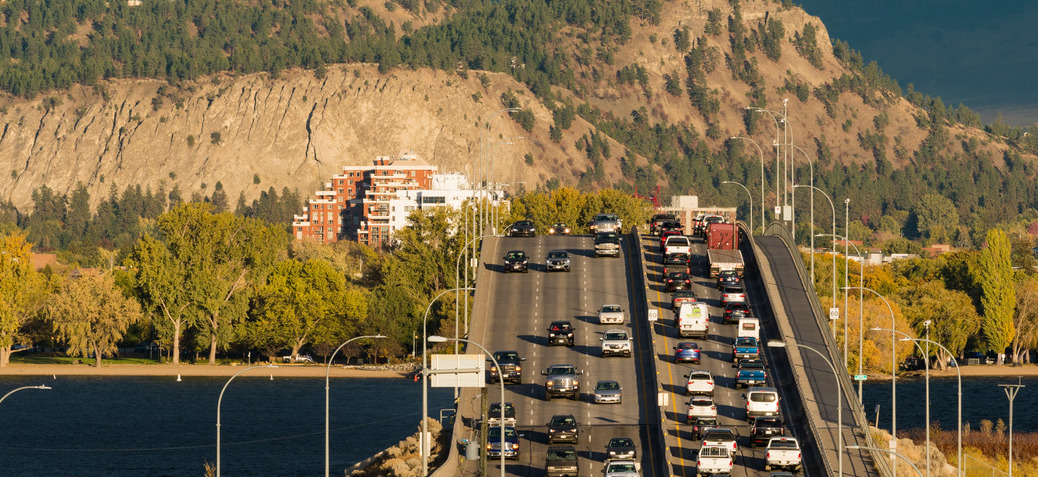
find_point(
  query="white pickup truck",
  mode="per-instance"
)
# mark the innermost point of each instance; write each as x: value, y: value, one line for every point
x: 782, y: 453
x: 677, y: 244
x: 713, y: 460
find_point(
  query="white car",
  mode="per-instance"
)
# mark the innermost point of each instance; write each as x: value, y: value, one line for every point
x: 700, y: 406
x: 302, y: 358
x: 761, y: 401
x: 611, y: 315
x: 622, y: 468
x: 699, y: 383
x: 616, y: 341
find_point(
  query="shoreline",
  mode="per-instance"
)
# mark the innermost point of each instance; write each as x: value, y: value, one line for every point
x: 205, y: 370
x: 976, y: 371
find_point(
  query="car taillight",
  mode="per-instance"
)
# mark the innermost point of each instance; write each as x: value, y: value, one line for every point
x: 729, y: 462
x: 711, y: 383
x: 768, y: 455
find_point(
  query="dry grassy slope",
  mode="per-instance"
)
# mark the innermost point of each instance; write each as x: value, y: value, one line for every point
x: 298, y: 130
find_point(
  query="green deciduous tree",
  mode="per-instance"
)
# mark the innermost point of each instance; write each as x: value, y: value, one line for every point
x: 160, y: 286
x: 91, y: 314
x: 21, y: 290
x: 953, y: 317
x: 934, y: 213
x: 998, y: 295
x: 1025, y: 321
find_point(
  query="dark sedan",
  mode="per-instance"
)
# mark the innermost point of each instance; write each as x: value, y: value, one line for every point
x: 678, y: 281
x: 621, y: 448
x: 734, y: 311
x: 522, y: 228
x: 728, y: 277
x: 686, y: 352
x: 558, y: 228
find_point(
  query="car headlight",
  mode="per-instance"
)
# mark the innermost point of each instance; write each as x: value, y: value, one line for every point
x: 518, y: 368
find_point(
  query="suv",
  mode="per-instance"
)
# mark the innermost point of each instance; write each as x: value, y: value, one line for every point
x: 699, y: 383
x: 562, y: 381
x: 563, y: 428
x: 522, y: 228
x: 561, y: 461
x: 622, y: 468
x: 761, y: 401
x: 516, y: 261
x: 558, y: 260
x: 511, y: 367
x: 701, y: 424
x: 494, y: 414
x: 734, y: 311
x: 607, y: 243
x: 511, y: 442
x: 616, y: 341
x: 700, y: 406
x: 733, y: 294
x: 764, y: 428
x: 560, y: 332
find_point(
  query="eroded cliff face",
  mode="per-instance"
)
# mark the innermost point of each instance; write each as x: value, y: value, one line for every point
x: 296, y: 131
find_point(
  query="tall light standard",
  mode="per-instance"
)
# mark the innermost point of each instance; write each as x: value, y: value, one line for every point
x: 926, y: 360
x: 778, y: 186
x: 1011, y: 390
x: 423, y: 442
x: 42, y: 386
x: 760, y: 153
x: 895, y: 454
x: 457, y: 284
x: 839, y: 397
x: 219, y: 403
x: 861, y: 283
x: 812, y: 199
x: 441, y: 339
x: 893, y: 370
x: 751, y: 201
x: 833, y: 247
x: 327, y: 381
x: 493, y: 215
x: 484, y: 152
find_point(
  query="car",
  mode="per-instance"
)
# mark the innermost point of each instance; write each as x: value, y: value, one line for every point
x: 617, y: 341
x: 561, y: 461
x: 719, y: 436
x: 752, y: 372
x: 705, y: 223
x: 761, y: 401
x: 658, y: 220
x: 516, y: 261
x: 700, y: 406
x: 557, y: 260
x: 621, y: 448
x: 494, y: 414
x: 511, y: 442
x: 764, y: 428
x: 558, y: 228
x: 699, y: 383
x: 606, y: 223
x: 728, y: 277
x: 745, y: 347
x: 560, y: 333
x: 681, y: 296
x: 522, y: 228
x: 511, y: 367
x: 607, y: 244
x: 563, y: 428
x: 622, y: 468
x: 677, y: 262
x: 562, y: 381
x: 677, y: 281
x: 733, y: 312
x: 299, y: 358
x: 671, y: 226
x: 608, y: 391
x: 687, y: 352
x: 733, y: 294
x: 611, y: 314
x: 701, y: 425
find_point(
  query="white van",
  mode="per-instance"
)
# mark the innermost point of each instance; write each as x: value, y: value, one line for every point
x: 761, y: 401
x: 749, y: 327
x: 693, y: 320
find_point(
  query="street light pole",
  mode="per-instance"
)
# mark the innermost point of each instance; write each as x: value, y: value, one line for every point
x: 493, y: 184
x: 42, y: 386
x: 812, y: 199
x: 839, y: 397
x: 751, y: 201
x: 327, y: 374
x: 441, y: 339
x: 846, y: 273
x: 457, y: 266
x: 219, y: 402
x: 893, y: 371
x: 423, y: 442
x: 485, y: 153
x: 833, y: 247
x: 778, y: 187
x: 760, y: 153
x: 861, y: 308
x: 1011, y: 390
x: 895, y: 454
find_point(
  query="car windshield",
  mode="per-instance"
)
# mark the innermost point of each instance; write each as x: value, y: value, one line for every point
x: 562, y: 454
x: 495, y: 408
x: 524, y: 223
x: 620, y: 467
x: 506, y: 356
x: 677, y: 258
x: 733, y: 289
x: 611, y: 309
x: 763, y: 397
x: 615, y: 335
x: 707, y: 421
x: 556, y: 254
x: 688, y: 346
x: 495, y: 433
x: 560, y: 326
x: 607, y: 386
x: 677, y: 276
x: 516, y: 255
x: 557, y: 370
x: 621, y: 442
x: 563, y: 421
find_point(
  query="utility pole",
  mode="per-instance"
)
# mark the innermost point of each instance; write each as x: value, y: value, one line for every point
x: 1011, y: 390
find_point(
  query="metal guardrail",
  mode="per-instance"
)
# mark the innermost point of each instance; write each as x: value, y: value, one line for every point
x: 846, y: 385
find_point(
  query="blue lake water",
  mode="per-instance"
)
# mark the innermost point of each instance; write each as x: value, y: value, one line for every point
x: 135, y: 426
x: 982, y: 398
x: 981, y: 54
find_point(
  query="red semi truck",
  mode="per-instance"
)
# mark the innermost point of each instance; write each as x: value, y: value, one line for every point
x: 722, y: 248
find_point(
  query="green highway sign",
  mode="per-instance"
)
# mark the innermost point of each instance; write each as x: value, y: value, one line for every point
x: 860, y: 377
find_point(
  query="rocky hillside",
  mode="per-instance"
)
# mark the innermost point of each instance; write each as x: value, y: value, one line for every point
x: 251, y: 132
